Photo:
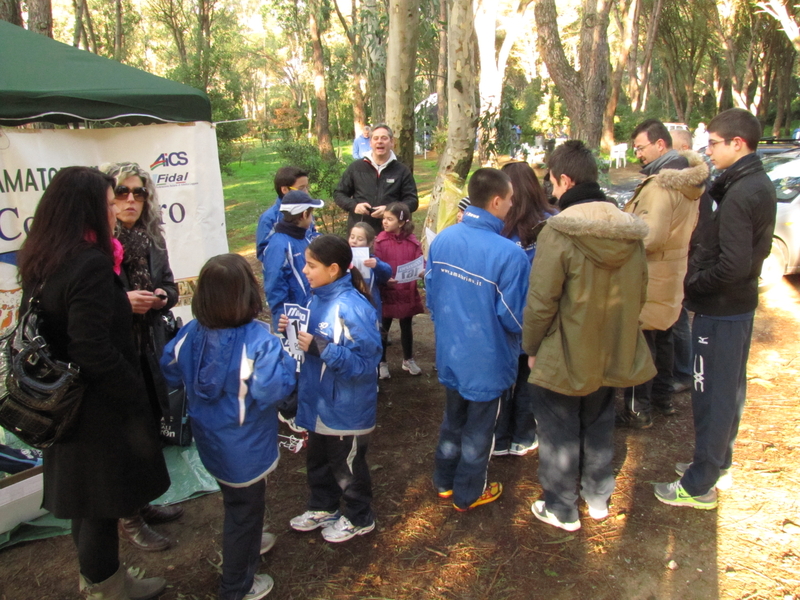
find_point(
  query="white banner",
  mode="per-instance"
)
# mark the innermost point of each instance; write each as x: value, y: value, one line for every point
x: 182, y: 160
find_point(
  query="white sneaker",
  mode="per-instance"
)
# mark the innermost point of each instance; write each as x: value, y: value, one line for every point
x: 522, y: 450
x: 262, y: 585
x: 412, y: 367
x: 267, y: 541
x: 383, y: 371
x: 725, y: 481
x: 291, y: 423
x: 311, y: 519
x: 540, y: 511
x: 343, y: 530
x: 598, y: 514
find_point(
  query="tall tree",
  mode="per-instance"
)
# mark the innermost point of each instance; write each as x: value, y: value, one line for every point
x: 584, y: 89
x: 400, y: 71
x: 441, y: 71
x: 375, y: 22
x: 639, y: 80
x: 40, y: 17
x: 778, y: 10
x: 626, y: 14
x: 9, y: 11
x: 321, y: 125
x: 462, y: 117
x: 493, y: 64
x: 353, y: 31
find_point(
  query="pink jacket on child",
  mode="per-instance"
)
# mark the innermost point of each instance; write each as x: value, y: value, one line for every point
x: 400, y: 300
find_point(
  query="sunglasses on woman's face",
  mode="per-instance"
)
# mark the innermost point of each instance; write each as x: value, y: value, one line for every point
x: 140, y: 194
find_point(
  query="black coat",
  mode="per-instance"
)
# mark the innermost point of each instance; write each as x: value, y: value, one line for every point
x: 111, y: 464
x: 361, y: 183
x: 150, y: 328
x: 729, y: 244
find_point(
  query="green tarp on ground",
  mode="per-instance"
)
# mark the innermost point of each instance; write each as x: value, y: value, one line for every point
x: 44, y: 80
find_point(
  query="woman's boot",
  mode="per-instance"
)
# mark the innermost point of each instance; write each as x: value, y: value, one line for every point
x: 112, y: 588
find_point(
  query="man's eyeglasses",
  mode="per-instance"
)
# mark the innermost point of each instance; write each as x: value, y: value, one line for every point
x: 140, y: 194
x: 713, y: 143
x: 638, y: 149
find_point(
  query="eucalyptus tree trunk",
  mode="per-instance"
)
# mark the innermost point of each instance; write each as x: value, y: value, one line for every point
x: 321, y: 125
x: 400, y: 71
x: 375, y: 44
x: 441, y: 69
x: 493, y: 67
x: 353, y: 31
x: 585, y: 91
x: 626, y: 26
x: 462, y: 118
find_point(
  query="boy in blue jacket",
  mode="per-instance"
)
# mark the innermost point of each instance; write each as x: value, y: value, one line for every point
x: 476, y: 285
x: 284, y: 257
x: 286, y: 180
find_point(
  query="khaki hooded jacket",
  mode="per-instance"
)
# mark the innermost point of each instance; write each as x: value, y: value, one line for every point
x: 587, y: 287
x: 668, y: 203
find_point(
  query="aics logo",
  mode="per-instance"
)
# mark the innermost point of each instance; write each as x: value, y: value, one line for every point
x: 170, y: 159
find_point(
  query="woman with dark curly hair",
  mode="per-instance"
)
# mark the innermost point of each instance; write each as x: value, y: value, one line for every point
x: 152, y: 292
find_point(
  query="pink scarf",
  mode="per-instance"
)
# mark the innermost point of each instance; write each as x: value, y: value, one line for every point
x: 116, y: 247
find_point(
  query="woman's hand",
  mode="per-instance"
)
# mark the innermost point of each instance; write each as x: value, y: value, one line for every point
x: 304, y: 340
x: 160, y: 302
x: 142, y: 301
x: 371, y: 263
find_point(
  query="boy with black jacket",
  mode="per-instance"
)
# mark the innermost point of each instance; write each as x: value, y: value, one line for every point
x: 721, y: 287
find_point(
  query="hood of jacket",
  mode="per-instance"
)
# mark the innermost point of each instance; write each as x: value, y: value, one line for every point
x: 688, y: 181
x: 214, y: 347
x: 597, y: 228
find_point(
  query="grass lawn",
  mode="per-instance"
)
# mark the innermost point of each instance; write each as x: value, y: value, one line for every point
x: 249, y: 191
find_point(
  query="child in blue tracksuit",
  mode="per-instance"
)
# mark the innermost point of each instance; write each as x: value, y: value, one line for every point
x: 286, y: 180
x: 284, y: 257
x: 235, y: 371
x: 361, y: 236
x: 337, y: 393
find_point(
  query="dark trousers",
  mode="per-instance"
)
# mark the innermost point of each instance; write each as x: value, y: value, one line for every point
x: 337, y: 469
x: 241, y: 537
x: 640, y: 398
x: 516, y: 423
x: 682, y: 342
x: 576, y: 447
x: 720, y: 350
x: 406, y: 336
x: 97, y: 542
x: 465, y: 445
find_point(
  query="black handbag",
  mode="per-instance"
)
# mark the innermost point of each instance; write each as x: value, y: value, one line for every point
x: 175, y: 427
x: 40, y: 397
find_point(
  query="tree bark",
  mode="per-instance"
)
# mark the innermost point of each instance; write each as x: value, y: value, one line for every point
x: 441, y: 70
x: 400, y: 71
x: 77, y: 5
x: 627, y: 27
x: 40, y: 17
x: 462, y: 119
x: 641, y: 98
x: 351, y: 30
x: 375, y: 43
x: 585, y: 92
x: 777, y: 10
x: 321, y: 125
x: 118, y: 30
x: 493, y: 68
x: 9, y: 11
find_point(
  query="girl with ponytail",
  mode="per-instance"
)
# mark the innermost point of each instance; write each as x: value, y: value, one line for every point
x: 337, y: 392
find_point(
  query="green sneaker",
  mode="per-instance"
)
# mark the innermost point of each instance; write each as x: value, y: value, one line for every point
x: 725, y: 481
x: 674, y: 495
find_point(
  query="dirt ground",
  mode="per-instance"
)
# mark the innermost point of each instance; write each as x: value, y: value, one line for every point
x: 749, y: 548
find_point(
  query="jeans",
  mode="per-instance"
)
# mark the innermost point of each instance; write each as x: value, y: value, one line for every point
x: 241, y: 537
x: 721, y: 348
x: 576, y: 447
x: 516, y: 423
x: 337, y: 469
x: 465, y: 444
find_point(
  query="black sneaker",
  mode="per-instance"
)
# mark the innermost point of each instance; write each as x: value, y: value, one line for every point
x: 664, y: 406
x: 634, y: 420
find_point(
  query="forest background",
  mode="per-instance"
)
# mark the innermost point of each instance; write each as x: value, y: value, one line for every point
x: 308, y: 74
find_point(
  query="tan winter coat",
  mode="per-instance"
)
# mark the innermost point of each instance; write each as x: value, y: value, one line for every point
x: 668, y: 203
x: 587, y: 286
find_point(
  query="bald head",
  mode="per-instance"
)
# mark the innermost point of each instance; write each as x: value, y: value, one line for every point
x: 681, y: 139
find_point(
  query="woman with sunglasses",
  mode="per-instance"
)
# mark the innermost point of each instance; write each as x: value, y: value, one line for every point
x: 151, y: 290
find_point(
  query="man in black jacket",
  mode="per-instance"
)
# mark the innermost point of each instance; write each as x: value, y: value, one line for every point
x: 721, y: 287
x: 369, y: 185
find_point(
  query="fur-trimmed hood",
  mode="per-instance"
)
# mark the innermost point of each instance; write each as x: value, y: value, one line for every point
x: 689, y: 181
x: 603, y: 233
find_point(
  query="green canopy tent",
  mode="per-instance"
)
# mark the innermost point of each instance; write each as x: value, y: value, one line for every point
x: 44, y: 80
